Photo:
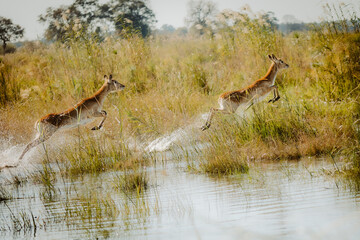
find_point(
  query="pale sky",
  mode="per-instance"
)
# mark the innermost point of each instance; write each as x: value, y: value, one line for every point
x: 26, y: 12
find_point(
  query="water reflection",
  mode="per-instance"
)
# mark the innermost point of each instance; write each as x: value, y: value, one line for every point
x: 287, y: 200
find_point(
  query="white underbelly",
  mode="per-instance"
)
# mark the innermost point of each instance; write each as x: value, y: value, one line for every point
x: 260, y: 98
x: 77, y: 123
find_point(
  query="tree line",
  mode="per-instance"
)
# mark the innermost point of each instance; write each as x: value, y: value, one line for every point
x: 92, y: 19
x: 87, y: 18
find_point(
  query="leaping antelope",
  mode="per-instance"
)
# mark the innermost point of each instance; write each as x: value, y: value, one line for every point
x: 83, y: 112
x: 230, y: 101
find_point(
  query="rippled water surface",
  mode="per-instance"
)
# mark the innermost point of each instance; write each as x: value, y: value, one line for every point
x: 286, y: 200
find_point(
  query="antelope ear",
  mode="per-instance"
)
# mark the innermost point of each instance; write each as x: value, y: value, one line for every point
x: 275, y: 58
x: 270, y: 57
x: 110, y: 77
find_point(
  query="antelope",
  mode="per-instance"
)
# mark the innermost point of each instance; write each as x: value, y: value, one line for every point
x: 230, y: 101
x: 82, y: 113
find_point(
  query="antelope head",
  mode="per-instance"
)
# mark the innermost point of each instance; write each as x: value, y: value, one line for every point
x: 112, y: 84
x: 280, y: 64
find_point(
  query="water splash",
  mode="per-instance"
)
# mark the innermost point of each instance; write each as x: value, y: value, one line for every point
x: 187, y: 134
x: 9, y: 154
x: 179, y: 136
x: 165, y: 142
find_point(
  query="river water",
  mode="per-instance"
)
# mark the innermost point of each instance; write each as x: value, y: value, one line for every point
x: 282, y: 200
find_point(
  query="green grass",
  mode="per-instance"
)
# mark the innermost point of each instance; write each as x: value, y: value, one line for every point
x: 131, y: 182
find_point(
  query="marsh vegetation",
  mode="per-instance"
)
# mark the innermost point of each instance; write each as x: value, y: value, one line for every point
x: 98, y: 182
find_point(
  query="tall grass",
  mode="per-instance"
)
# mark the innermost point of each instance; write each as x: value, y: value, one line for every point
x: 172, y: 80
x: 9, y: 90
x: 336, y: 44
x: 170, y: 83
x: 306, y: 121
x: 91, y: 154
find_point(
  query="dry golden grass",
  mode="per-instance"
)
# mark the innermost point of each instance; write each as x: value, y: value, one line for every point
x: 171, y: 81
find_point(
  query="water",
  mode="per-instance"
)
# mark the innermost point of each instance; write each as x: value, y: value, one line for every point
x: 10, y: 153
x: 287, y: 200
x: 185, y: 135
x: 181, y: 136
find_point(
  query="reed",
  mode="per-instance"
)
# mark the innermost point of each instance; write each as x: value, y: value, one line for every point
x: 131, y: 181
x: 4, y: 194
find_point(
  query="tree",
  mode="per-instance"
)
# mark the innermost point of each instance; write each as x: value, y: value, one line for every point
x: 181, y: 31
x: 87, y: 17
x: 200, y: 14
x: 166, y: 28
x: 269, y: 18
x: 290, y: 24
x: 131, y: 16
x: 70, y: 20
x: 290, y: 19
x: 9, y: 31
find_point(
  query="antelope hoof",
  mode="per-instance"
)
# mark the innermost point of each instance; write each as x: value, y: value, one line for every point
x: 95, y: 128
x: 275, y: 99
x: 206, y: 126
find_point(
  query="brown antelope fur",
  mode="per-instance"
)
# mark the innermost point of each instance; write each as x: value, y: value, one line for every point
x: 230, y: 101
x: 83, y: 112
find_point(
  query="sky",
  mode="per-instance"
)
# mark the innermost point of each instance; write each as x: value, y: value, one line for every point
x: 26, y: 12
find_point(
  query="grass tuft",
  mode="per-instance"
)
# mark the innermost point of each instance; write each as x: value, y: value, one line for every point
x: 132, y: 182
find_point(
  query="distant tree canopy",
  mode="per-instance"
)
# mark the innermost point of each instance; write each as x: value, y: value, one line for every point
x: 90, y: 17
x: 200, y: 14
x: 131, y: 15
x: 166, y: 29
x: 9, y: 31
x: 291, y: 24
x: 68, y: 20
x: 269, y: 18
x: 292, y: 27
